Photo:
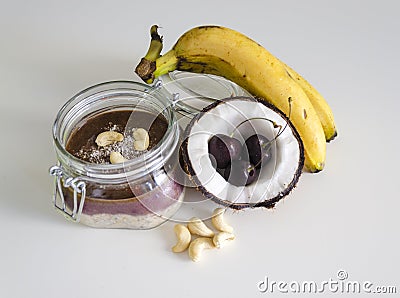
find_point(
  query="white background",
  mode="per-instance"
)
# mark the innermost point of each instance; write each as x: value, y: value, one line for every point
x: 346, y: 217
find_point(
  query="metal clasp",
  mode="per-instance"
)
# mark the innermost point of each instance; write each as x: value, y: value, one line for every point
x: 78, y: 186
x: 157, y: 84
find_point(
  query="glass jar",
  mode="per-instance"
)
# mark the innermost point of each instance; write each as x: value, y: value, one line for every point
x: 140, y: 193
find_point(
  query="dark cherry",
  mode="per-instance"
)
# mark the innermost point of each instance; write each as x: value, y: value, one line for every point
x: 221, y: 172
x: 257, y: 149
x: 225, y: 149
x: 213, y: 161
x: 214, y: 165
x: 241, y: 173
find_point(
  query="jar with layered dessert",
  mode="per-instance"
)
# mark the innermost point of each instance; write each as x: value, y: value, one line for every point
x: 117, y: 144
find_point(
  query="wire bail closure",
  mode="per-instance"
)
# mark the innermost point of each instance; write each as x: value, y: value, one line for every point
x: 78, y: 186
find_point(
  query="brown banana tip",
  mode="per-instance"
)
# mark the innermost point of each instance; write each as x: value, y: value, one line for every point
x: 154, y: 33
x: 318, y: 168
x: 332, y: 137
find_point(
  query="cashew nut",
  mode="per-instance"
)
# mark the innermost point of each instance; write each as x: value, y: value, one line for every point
x: 116, y: 157
x: 108, y: 137
x: 218, y: 221
x: 221, y: 238
x: 198, y: 227
x: 142, y: 139
x: 184, y: 237
x: 197, y: 246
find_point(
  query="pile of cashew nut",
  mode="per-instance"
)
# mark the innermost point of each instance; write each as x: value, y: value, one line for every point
x: 141, y: 142
x: 207, y: 238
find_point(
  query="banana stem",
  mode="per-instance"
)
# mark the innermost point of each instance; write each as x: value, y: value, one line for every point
x: 147, y: 64
x: 165, y: 64
x: 156, y: 44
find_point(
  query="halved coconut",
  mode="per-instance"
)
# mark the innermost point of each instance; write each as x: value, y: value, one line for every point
x: 244, y: 116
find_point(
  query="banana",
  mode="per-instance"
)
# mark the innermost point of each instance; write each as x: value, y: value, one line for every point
x: 320, y: 105
x: 228, y: 53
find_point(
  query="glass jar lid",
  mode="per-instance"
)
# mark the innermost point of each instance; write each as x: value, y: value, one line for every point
x: 192, y: 91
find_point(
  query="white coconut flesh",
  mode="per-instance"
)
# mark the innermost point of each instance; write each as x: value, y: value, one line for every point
x: 275, y: 177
